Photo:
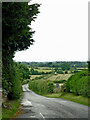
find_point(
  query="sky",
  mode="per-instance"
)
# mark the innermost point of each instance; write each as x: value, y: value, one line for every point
x: 61, y: 32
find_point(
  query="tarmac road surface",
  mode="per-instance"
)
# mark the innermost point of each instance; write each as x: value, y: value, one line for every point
x: 36, y: 107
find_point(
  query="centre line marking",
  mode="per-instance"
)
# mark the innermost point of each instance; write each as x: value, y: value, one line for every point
x: 42, y: 116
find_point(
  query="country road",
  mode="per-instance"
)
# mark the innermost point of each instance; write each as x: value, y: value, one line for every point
x: 42, y: 108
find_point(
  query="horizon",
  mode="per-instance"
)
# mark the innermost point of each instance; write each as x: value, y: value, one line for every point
x: 52, y: 61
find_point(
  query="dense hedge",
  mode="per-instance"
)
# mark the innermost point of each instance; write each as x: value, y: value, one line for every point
x: 59, y: 81
x: 41, y: 86
x: 17, y: 73
x: 79, y: 83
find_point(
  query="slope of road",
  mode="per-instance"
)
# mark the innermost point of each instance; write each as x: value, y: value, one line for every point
x: 40, y: 107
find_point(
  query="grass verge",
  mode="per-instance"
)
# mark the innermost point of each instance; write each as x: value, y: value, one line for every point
x: 11, y: 109
x: 71, y: 97
x: 0, y: 116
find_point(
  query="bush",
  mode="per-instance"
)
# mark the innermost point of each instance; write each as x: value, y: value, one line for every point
x: 60, y: 81
x: 50, y: 87
x: 66, y: 72
x: 60, y: 72
x: 78, y: 84
x: 41, y: 86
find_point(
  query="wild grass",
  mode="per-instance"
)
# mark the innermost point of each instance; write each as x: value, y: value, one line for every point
x: 0, y: 116
x: 11, y: 108
x: 71, y: 97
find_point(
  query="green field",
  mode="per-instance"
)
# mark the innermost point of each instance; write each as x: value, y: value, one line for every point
x: 0, y: 116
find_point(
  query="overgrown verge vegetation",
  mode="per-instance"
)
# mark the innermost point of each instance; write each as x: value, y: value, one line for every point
x: 72, y: 97
x: 41, y: 87
x: 11, y: 107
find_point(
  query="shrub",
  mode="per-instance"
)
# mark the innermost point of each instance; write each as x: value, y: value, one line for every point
x: 78, y: 83
x: 66, y: 72
x: 41, y: 86
x: 60, y: 81
x: 50, y: 87
x: 60, y: 72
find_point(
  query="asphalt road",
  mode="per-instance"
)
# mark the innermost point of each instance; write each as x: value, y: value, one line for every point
x: 43, y: 108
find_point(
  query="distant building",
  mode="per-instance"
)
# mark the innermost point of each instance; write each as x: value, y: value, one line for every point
x: 55, y: 73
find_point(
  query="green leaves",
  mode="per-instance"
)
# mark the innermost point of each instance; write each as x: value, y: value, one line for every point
x: 78, y: 83
x: 17, y: 35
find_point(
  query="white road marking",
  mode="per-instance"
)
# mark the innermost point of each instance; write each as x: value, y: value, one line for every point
x: 32, y: 116
x: 26, y: 102
x: 42, y: 116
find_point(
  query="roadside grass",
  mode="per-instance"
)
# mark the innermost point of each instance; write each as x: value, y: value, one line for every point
x: 11, y: 109
x: 0, y: 116
x: 71, y: 97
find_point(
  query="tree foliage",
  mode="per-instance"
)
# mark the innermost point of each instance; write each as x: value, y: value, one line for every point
x: 17, y: 36
x: 41, y: 86
x: 78, y: 83
x: 65, y: 66
x: 16, y: 17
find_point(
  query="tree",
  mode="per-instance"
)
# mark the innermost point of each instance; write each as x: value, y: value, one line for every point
x: 17, y: 35
x: 65, y: 66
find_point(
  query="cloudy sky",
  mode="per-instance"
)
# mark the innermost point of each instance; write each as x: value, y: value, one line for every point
x: 61, y: 32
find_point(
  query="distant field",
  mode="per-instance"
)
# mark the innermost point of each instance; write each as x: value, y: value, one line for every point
x: 50, y: 69
x: 59, y: 77
x: 34, y: 76
x: 43, y: 70
x: 52, y: 77
x: 82, y: 68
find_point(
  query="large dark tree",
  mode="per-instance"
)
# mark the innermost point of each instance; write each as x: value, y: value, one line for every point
x: 16, y: 35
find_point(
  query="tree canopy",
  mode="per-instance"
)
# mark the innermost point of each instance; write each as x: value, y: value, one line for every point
x: 17, y: 35
x: 16, y: 17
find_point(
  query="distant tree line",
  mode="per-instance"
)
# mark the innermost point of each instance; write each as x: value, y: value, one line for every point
x: 36, y: 72
x: 57, y: 64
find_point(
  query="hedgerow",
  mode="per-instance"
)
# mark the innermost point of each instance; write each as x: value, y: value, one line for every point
x: 79, y: 84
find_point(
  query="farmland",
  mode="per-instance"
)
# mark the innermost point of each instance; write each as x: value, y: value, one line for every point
x: 52, y: 77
